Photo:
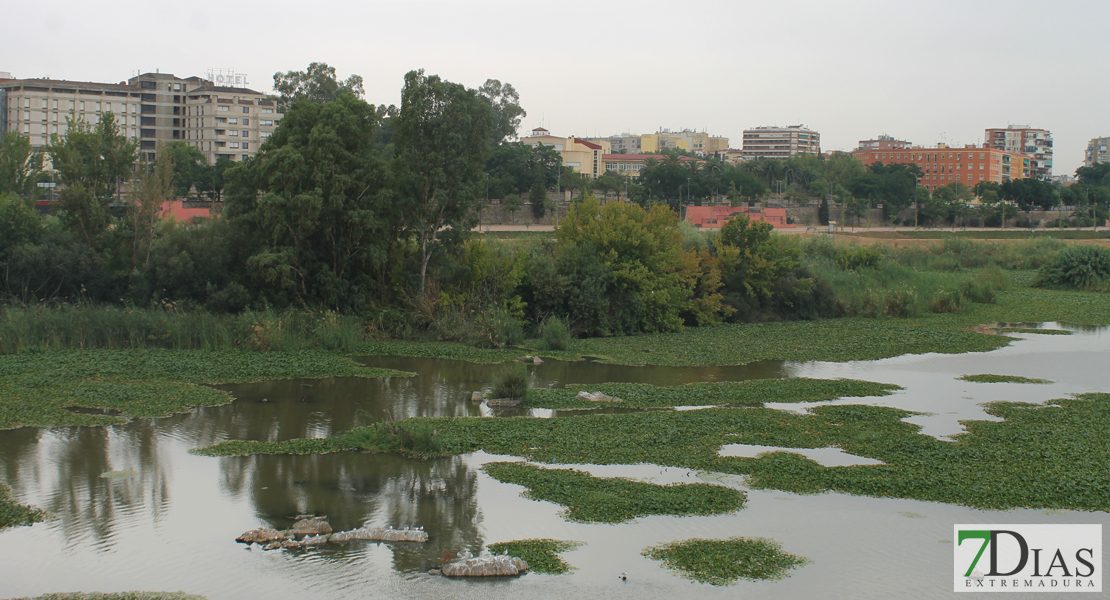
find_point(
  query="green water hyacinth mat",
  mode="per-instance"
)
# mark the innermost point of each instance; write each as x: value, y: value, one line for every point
x: 590, y: 499
x: 13, y: 514
x: 725, y: 562
x: 35, y: 388
x: 542, y: 555
x: 993, y: 465
x: 989, y: 378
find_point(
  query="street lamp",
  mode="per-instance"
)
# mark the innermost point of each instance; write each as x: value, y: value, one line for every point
x: 916, y: 208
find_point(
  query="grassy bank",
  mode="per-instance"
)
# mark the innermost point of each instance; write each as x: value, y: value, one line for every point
x: 590, y: 499
x: 995, y: 465
x: 37, y: 387
x: 542, y: 555
x: 1009, y: 234
x: 724, y: 562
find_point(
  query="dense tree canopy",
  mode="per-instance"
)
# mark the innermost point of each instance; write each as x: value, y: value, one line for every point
x: 318, y: 83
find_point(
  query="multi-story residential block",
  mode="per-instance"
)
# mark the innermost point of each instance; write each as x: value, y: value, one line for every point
x: 583, y: 156
x: 631, y: 164
x: 148, y: 109
x: 1098, y: 151
x: 700, y: 143
x: 883, y: 142
x: 1034, y: 143
x: 780, y: 142
x: 228, y: 122
x: 942, y: 166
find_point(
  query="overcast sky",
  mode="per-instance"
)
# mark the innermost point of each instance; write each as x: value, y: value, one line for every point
x: 922, y: 71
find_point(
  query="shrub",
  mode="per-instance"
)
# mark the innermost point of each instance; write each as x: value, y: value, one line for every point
x: 854, y: 258
x: 513, y: 382
x: 554, y: 334
x: 1077, y: 268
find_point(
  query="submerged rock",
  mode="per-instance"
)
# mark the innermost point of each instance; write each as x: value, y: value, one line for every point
x: 262, y: 535
x: 476, y: 397
x: 272, y: 546
x: 314, y: 540
x: 290, y: 544
x: 597, y: 397
x: 485, y: 565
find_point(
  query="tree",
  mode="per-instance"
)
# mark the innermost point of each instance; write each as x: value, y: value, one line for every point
x: 20, y: 165
x: 318, y: 84
x: 156, y: 186
x: 91, y: 161
x: 537, y: 195
x: 513, y: 168
x: 512, y: 203
x: 506, y: 113
x: 190, y: 168
x: 441, y: 145
x: 326, y: 219
x: 823, y: 211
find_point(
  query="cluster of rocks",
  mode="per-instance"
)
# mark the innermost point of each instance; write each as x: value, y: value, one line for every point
x: 532, y: 359
x: 484, y: 565
x: 597, y: 397
x: 315, y: 531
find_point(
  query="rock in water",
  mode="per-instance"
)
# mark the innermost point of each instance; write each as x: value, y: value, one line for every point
x: 597, y: 397
x: 314, y: 540
x: 262, y: 535
x: 311, y: 526
x: 476, y: 397
x: 381, y: 534
x: 485, y: 565
x: 537, y: 360
x: 290, y: 544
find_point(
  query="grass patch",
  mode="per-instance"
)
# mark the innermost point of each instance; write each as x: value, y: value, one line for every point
x: 994, y: 465
x: 724, y: 562
x: 14, y: 514
x: 756, y: 391
x: 988, y: 378
x: 590, y: 499
x: 1008, y: 234
x: 541, y: 555
x: 513, y: 382
x: 36, y: 386
x: 117, y: 596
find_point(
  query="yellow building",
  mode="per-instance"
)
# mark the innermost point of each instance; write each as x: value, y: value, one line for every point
x: 700, y: 143
x: 583, y: 156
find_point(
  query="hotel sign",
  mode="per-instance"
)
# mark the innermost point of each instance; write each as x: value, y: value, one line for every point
x: 227, y: 77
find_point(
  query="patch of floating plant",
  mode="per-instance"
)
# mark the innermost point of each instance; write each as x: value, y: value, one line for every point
x: 128, y: 474
x: 990, y: 378
x: 911, y: 515
x: 724, y: 562
x: 826, y: 457
x: 542, y: 555
x: 85, y: 410
x: 1032, y: 330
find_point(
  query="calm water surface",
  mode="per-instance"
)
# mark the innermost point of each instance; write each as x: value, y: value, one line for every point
x: 172, y: 526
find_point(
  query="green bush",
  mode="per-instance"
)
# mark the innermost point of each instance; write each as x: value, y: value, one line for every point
x: 513, y: 382
x: 854, y: 258
x: 554, y: 334
x: 1082, y: 267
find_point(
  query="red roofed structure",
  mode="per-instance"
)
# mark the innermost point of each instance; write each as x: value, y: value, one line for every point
x: 176, y: 210
x: 714, y: 217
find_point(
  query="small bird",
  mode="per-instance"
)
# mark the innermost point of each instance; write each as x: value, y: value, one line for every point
x: 623, y: 576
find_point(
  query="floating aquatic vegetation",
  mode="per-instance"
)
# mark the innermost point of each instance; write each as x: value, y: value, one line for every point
x: 542, y: 555
x: 724, y: 562
x: 989, y: 378
x: 615, y: 500
x: 13, y: 514
x: 128, y: 474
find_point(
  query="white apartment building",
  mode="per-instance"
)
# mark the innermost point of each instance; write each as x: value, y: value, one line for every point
x: 1023, y: 139
x: 780, y: 142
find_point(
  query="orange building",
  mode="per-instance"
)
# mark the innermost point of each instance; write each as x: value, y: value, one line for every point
x: 943, y: 165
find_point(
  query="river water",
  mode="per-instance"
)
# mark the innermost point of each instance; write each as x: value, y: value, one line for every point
x: 171, y: 524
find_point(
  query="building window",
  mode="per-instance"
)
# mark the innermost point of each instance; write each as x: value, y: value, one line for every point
x: 82, y: 105
x: 233, y: 121
x: 233, y: 133
x: 233, y: 145
x: 246, y: 121
x: 246, y: 133
x: 246, y: 110
x: 266, y: 123
x: 245, y: 146
x: 26, y: 128
x: 55, y: 117
x: 264, y: 134
x: 219, y: 132
x: 221, y: 119
x: 267, y: 111
x: 71, y: 105
x: 55, y: 105
x: 97, y: 107
x: 223, y: 108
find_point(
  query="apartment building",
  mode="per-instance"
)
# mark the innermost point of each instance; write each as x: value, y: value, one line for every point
x: 1034, y: 143
x: 149, y: 108
x: 943, y: 166
x: 1098, y: 151
x: 582, y: 155
x: 625, y: 143
x: 228, y: 122
x: 884, y: 142
x: 630, y: 165
x: 696, y: 142
x: 780, y: 142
